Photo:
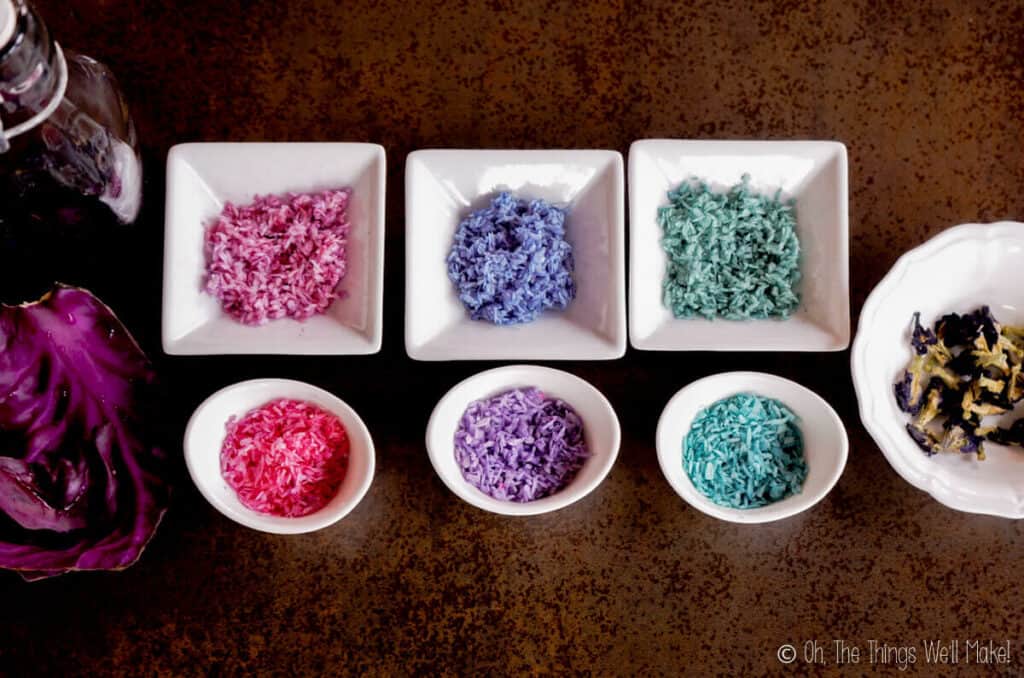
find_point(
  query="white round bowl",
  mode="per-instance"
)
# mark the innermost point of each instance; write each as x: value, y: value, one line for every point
x: 825, y: 442
x: 957, y: 271
x: 205, y: 434
x: 600, y: 431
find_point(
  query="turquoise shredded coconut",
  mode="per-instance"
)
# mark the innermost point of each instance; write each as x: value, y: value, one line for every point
x: 732, y: 255
x: 745, y: 451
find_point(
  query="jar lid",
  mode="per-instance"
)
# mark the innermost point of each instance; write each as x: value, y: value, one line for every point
x: 8, y: 21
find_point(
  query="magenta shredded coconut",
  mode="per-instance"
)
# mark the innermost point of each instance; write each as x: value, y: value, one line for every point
x: 510, y: 261
x: 286, y: 458
x: 280, y: 256
x: 520, y: 445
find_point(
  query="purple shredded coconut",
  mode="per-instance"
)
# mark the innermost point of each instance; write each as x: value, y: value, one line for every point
x: 520, y: 445
x: 511, y: 261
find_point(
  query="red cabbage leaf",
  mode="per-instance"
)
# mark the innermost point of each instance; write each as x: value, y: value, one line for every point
x: 81, y: 476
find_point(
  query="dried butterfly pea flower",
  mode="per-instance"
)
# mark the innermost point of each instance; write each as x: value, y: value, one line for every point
x: 931, y: 407
x: 965, y: 369
x: 960, y: 436
x: 924, y: 439
x: 922, y: 374
x: 957, y: 330
x: 922, y: 338
x: 1008, y: 436
x: 909, y: 392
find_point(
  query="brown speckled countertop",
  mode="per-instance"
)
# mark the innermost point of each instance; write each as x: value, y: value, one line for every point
x: 928, y: 98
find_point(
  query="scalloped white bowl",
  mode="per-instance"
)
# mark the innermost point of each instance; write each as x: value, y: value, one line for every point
x: 958, y: 270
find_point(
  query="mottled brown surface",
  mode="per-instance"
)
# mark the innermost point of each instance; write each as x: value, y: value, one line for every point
x: 930, y: 102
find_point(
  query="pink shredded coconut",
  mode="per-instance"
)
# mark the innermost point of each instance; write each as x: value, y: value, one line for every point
x: 286, y: 458
x: 279, y: 256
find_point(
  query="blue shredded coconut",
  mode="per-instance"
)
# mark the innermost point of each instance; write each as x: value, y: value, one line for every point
x: 745, y: 451
x: 510, y: 261
x: 733, y: 255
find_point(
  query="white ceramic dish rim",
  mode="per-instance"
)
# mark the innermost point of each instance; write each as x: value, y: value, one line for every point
x: 559, y: 500
x: 944, y: 493
x: 839, y: 335
x: 614, y: 344
x: 374, y: 260
x: 275, y: 524
x: 668, y: 459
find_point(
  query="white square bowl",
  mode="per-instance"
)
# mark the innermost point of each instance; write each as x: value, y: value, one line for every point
x: 201, y: 177
x: 814, y: 173
x: 443, y: 186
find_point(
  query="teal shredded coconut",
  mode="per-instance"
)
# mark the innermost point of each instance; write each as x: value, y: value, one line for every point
x: 745, y: 451
x: 731, y: 255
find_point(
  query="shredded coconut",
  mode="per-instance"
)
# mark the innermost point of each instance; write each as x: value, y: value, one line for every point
x: 733, y: 255
x: 279, y: 256
x: 286, y: 458
x: 510, y: 261
x: 520, y: 445
x: 745, y: 451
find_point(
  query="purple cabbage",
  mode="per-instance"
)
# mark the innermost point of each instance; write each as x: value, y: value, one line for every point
x: 520, y: 445
x: 511, y: 261
x: 81, y: 477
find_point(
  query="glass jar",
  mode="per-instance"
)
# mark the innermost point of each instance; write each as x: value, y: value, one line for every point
x: 69, y: 159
